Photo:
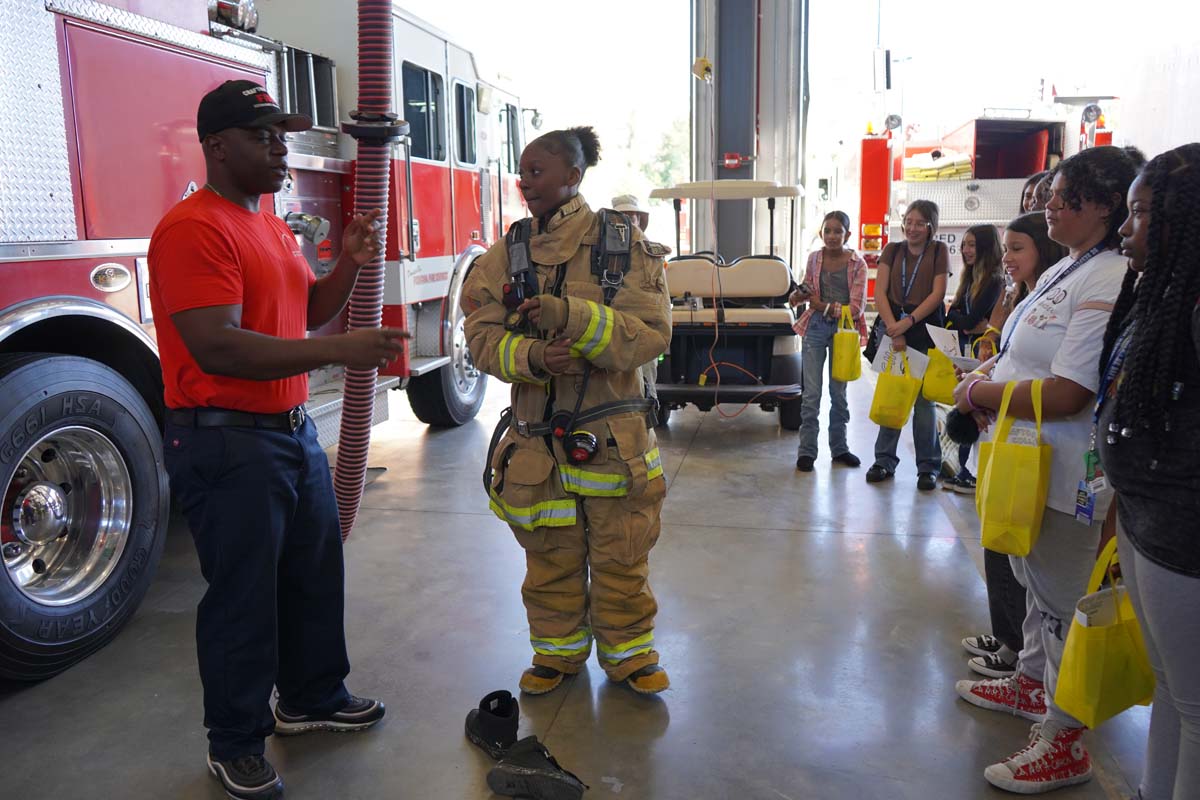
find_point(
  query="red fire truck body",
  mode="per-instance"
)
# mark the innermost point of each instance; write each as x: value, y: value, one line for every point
x: 97, y: 141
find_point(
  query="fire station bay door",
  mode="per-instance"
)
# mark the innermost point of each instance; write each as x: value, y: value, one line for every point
x: 424, y: 100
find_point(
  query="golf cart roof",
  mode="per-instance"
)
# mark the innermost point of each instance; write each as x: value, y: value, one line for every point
x: 726, y: 190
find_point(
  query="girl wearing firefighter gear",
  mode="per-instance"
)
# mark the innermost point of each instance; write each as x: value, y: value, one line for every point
x: 566, y: 309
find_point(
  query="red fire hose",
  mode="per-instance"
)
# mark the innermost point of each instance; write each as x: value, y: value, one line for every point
x: 375, y: 127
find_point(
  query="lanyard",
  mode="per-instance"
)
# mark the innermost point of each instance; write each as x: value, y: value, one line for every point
x: 1116, y: 361
x: 1029, y: 302
x: 967, y: 296
x: 906, y: 283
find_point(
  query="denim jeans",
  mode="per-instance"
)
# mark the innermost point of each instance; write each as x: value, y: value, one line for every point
x: 925, y: 440
x: 817, y: 346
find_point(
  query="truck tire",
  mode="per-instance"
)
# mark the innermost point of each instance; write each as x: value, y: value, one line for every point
x: 789, y: 414
x: 452, y: 395
x: 663, y: 419
x: 84, y: 511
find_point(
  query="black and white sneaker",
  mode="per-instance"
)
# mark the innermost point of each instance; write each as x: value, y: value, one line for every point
x: 247, y: 778
x: 357, y: 715
x: 981, y: 645
x: 992, y: 665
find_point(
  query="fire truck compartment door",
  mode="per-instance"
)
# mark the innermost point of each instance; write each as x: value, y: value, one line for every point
x: 135, y: 126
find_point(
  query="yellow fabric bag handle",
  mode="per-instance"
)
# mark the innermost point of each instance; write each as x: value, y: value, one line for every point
x: 847, y: 322
x: 1004, y: 422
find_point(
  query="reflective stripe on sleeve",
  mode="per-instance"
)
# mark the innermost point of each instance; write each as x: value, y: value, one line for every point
x: 598, y: 334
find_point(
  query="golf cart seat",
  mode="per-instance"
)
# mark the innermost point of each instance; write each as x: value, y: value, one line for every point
x: 748, y: 278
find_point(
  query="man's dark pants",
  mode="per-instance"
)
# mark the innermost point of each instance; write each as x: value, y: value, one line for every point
x: 261, y: 509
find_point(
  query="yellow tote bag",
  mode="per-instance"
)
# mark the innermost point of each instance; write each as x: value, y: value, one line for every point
x: 940, y: 379
x: 895, y: 395
x: 1014, y: 480
x: 847, y: 358
x: 1104, y: 669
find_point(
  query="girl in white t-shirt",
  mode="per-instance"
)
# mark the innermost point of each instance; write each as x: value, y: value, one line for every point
x: 1056, y: 335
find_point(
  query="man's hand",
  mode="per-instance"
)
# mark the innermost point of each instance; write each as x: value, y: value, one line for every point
x: 558, y: 356
x: 371, y: 348
x: 361, y: 240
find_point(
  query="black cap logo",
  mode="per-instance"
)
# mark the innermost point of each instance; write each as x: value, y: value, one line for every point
x: 244, y: 104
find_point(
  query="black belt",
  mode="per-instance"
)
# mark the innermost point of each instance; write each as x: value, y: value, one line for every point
x: 290, y: 420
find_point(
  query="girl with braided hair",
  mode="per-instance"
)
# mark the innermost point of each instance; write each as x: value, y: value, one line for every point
x: 1148, y: 437
x: 1056, y: 336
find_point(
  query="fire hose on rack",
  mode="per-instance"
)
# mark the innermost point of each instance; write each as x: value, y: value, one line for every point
x: 374, y: 127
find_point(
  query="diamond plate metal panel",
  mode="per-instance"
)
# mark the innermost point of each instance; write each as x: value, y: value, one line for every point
x: 325, y: 409
x: 969, y: 202
x: 36, y: 203
x: 153, y: 29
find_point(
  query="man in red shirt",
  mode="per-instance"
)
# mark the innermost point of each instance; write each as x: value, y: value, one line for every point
x: 233, y: 297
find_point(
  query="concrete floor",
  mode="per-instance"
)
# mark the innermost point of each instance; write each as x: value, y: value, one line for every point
x: 810, y: 624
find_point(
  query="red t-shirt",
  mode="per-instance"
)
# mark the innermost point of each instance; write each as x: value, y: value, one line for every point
x: 208, y: 251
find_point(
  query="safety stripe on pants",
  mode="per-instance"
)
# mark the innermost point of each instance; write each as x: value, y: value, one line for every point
x: 654, y: 467
x: 592, y: 484
x: 576, y: 644
x: 642, y: 644
x: 546, y: 514
x: 598, y: 334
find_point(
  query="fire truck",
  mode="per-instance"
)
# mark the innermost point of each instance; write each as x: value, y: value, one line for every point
x: 975, y: 173
x: 97, y: 142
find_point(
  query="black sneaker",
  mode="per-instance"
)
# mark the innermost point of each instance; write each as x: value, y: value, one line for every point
x: 981, y: 645
x: 357, y: 715
x: 949, y: 484
x: 493, y: 726
x: 926, y: 482
x: 848, y: 459
x: 992, y: 665
x: 247, y: 777
x: 879, y: 474
x: 805, y: 463
x: 528, y: 770
x: 965, y: 485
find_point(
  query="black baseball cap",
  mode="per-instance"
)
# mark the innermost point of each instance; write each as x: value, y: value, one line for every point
x: 244, y: 104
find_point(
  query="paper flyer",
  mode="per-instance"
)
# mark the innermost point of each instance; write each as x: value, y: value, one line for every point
x: 917, y: 362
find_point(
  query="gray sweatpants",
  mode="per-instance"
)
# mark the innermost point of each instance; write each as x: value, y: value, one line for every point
x: 1166, y: 604
x: 1055, y: 576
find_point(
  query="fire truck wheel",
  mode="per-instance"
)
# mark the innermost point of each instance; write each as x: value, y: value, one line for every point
x: 84, y: 510
x: 789, y: 415
x: 452, y: 395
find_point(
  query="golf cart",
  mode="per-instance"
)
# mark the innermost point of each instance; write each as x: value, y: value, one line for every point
x: 731, y: 326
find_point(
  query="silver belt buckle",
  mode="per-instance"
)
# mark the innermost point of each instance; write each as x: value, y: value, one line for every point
x: 522, y: 427
x: 296, y: 418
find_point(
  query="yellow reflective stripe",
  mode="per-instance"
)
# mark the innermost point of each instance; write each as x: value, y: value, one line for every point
x: 654, y: 467
x: 642, y: 644
x: 598, y: 334
x: 546, y: 514
x: 576, y: 644
x: 592, y: 484
x: 507, y: 346
x: 510, y: 343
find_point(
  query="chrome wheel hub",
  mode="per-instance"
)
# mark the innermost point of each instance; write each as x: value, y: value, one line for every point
x: 66, y: 517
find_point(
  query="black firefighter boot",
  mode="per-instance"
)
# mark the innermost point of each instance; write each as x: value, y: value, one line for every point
x: 528, y: 770
x: 493, y: 726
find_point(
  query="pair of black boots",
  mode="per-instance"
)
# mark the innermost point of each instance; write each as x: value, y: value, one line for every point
x: 526, y: 768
